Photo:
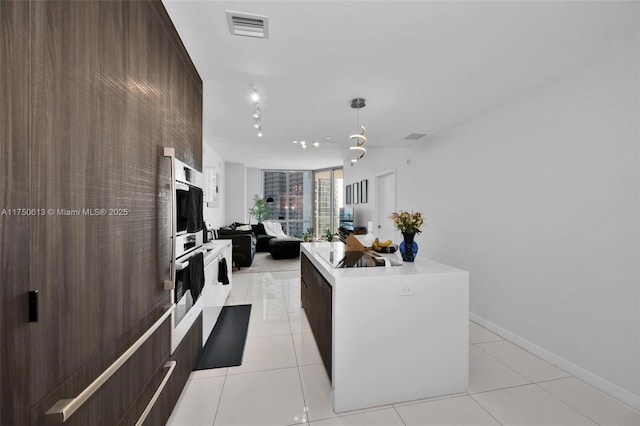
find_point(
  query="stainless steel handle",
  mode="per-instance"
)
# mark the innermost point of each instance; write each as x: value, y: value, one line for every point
x: 64, y: 408
x: 181, y: 265
x: 171, y: 153
x: 171, y: 365
x: 184, y: 262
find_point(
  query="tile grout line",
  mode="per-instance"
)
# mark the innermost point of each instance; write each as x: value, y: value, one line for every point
x: 485, y: 409
x: 509, y: 367
x: 224, y: 382
x: 567, y: 404
x: 518, y: 372
x: 499, y: 389
x: 398, y: 413
x: 295, y: 354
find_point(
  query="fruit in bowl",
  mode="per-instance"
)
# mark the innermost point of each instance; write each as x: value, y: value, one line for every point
x: 384, y: 246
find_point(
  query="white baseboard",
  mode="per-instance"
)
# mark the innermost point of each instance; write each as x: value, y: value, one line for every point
x: 598, y: 382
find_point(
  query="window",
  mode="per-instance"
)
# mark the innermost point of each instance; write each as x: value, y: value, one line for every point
x: 305, y: 199
x: 328, y: 200
x: 292, y: 195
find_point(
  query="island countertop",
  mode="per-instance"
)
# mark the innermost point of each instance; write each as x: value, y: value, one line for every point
x: 387, y: 334
x: 319, y: 252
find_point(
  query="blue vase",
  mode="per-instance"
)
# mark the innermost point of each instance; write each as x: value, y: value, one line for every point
x: 408, y: 247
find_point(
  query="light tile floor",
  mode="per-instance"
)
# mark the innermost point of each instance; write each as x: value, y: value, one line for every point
x: 282, y: 380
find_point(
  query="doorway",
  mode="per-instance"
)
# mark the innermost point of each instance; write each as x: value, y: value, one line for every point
x: 385, y: 184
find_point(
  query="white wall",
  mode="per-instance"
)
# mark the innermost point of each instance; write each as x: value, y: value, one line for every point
x: 539, y: 199
x: 254, y: 187
x: 216, y: 216
x: 377, y: 161
x: 236, y: 190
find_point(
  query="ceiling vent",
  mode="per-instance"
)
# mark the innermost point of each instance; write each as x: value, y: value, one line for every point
x: 248, y: 25
x: 414, y: 136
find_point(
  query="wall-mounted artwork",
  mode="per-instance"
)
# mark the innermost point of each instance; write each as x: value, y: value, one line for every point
x: 211, y: 190
x: 364, y: 191
x: 347, y: 194
x: 356, y: 193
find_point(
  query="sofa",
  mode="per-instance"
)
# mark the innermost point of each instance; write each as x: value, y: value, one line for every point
x: 243, y: 241
x: 262, y: 239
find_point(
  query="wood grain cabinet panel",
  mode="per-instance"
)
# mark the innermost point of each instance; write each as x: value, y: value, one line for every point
x: 317, y: 296
x: 14, y: 229
x: 92, y: 91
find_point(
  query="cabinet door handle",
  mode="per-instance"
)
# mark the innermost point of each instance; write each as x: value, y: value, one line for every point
x: 64, y: 408
x: 33, y: 306
x: 171, y: 365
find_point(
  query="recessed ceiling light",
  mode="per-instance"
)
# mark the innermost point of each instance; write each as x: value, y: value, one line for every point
x: 260, y: 133
x: 328, y: 138
x: 294, y: 141
x: 316, y: 144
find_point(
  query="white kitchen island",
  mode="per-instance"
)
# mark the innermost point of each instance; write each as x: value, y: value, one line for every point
x: 387, y: 334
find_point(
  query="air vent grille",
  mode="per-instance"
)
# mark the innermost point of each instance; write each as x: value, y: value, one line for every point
x: 415, y: 136
x: 248, y: 25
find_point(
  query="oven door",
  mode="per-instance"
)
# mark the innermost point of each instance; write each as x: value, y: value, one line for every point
x: 182, y: 207
x: 186, y: 243
x: 181, y: 293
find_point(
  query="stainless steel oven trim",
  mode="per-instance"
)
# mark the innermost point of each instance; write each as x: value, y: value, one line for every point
x: 183, y: 261
x: 171, y: 153
x: 181, y: 252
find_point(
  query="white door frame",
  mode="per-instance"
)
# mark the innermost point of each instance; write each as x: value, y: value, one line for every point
x: 377, y: 177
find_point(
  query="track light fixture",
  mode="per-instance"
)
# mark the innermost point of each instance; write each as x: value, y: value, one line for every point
x: 257, y: 116
x: 255, y: 95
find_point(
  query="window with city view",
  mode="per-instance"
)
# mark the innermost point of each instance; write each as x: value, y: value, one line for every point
x: 292, y: 194
x: 328, y: 200
x: 305, y: 200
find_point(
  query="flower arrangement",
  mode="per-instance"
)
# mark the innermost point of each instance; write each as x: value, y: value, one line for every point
x: 407, y: 222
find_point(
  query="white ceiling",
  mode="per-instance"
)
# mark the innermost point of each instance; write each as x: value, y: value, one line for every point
x: 422, y: 66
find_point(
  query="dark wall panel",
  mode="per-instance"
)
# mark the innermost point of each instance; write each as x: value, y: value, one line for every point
x: 108, y: 89
x: 14, y: 230
x: 185, y: 91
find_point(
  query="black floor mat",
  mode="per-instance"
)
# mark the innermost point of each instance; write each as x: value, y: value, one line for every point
x: 225, y: 345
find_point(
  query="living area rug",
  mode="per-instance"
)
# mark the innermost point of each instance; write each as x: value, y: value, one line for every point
x: 263, y: 262
x: 225, y: 345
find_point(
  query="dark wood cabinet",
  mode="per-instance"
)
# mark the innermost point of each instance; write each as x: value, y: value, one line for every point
x: 91, y: 93
x: 14, y: 229
x: 317, y: 295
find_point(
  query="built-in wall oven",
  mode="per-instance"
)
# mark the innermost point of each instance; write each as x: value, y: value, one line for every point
x: 187, y: 264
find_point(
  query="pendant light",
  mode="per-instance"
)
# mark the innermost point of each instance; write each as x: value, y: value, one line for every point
x: 359, y: 139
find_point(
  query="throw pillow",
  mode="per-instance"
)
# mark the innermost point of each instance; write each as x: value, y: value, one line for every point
x: 243, y: 228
